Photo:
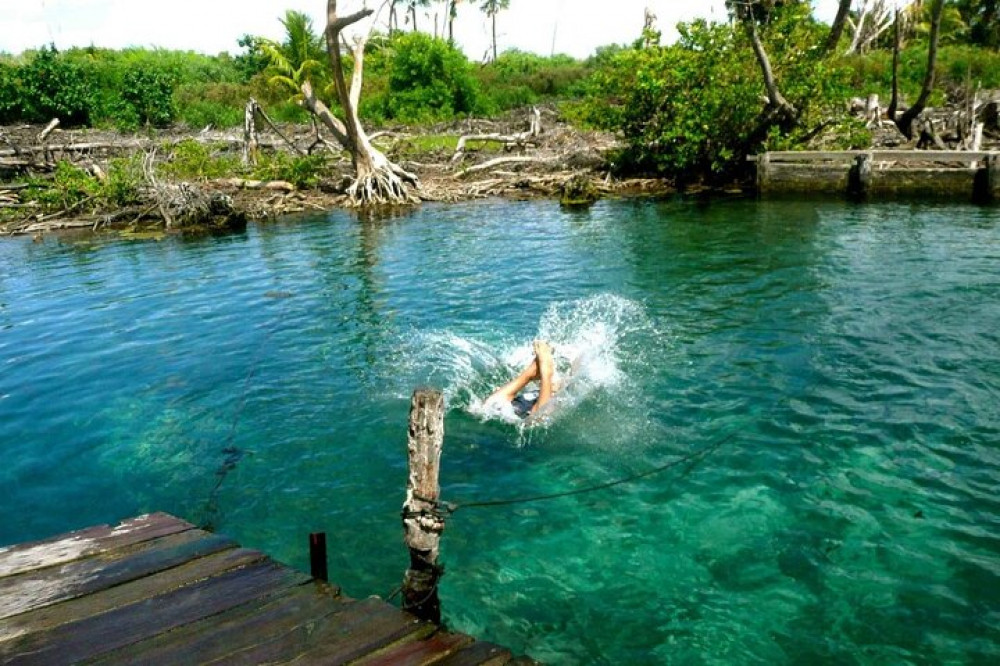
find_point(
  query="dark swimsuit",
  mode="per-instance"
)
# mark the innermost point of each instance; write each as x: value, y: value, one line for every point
x: 522, y: 404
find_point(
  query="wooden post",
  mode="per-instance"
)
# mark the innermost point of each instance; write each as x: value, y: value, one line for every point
x: 317, y: 556
x: 859, y: 180
x: 422, y: 522
x: 250, y: 143
x: 993, y: 176
x: 763, y: 172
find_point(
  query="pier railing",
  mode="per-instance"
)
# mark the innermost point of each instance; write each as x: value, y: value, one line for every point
x: 970, y: 175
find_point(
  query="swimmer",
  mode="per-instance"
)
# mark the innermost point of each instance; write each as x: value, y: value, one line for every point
x: 541, y: 368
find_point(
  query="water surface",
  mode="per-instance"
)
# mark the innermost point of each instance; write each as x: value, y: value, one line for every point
x: 848, y: 356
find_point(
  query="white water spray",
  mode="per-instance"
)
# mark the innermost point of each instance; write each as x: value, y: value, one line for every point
x: 592, y: 343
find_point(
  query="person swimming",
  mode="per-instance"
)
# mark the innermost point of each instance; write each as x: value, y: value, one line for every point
x: 541, y: 368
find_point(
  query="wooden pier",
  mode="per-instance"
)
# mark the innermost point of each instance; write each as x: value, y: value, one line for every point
x: 955, y: 175
x: 157, y: 590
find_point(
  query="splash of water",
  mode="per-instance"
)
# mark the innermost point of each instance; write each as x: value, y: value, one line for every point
x: 594, y: 343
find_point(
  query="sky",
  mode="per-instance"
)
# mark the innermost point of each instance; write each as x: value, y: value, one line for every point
x: 575, y: 27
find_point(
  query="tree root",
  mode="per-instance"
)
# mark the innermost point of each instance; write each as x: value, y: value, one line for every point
x: 383, y: 186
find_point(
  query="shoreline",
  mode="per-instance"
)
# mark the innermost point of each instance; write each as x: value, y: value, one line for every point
x: 559, y: 157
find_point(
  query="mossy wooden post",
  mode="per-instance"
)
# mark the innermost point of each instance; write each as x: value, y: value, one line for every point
x: 763, y: 172
x: 422, y: 523
x: 993, y: 177
x: 860, y: 178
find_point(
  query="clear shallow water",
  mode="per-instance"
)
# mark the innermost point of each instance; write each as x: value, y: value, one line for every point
x: 260, y: 383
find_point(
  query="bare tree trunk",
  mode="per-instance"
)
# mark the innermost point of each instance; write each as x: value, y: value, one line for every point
x: 450, y: 6
x: 494, y: 17
x: 377, y: 179
x: 905, y: 121
x: 894, y: 100
x: 776, y: 101
x: 778, y: 112
x: 837, y: 29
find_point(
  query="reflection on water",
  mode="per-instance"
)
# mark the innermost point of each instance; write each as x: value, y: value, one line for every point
x: 260, y: 383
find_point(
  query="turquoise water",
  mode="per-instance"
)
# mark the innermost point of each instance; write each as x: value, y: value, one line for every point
x: 259, y: 384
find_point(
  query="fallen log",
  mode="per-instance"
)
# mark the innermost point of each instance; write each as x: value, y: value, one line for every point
x: 519, y: 140
x: 244, y: 184
x: 500, y: 161
x: 44, y: 134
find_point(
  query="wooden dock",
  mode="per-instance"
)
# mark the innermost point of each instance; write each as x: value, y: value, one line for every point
x: 156, y: 590
x: 952, y: 175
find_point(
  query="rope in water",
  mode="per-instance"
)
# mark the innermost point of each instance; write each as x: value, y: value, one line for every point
x: 441, y: 509
x: 694, y: 457
x: 234, y: 454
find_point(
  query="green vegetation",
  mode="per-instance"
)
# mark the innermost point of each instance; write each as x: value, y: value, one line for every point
x: 70, y: 188
x: 687, y: 110
x: 409, y: 78
x: 692, y: 110
x: 196, y: 161
x: 426, y: 80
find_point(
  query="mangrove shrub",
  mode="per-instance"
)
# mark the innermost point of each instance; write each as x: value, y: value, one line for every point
x: 690, y: 110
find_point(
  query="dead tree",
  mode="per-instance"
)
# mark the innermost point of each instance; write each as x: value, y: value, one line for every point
x: 377, y: 179
x: 837, y: 29
x: 778, y: 110
x: 874, y: 17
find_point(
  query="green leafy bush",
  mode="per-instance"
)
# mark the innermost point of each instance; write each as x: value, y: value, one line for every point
x: 147, y: 97
x: 427, y: 79
x: 10, y: 109
x: 218, y: 104
x: 69, y: 187
x: 303, y: 171
x: 192, y: 160
x: 53, y: 86
x: 125, y: 178
x: 518, y: 79
x: 691, y: 109
x: 958, y: 66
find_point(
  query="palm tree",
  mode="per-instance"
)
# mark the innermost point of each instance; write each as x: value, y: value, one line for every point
x: 411, y: 8
x: 300, y: 58
x: 491, y: 8
x: 452, y: 12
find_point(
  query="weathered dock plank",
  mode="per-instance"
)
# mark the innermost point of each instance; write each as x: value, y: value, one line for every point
x: 49, y: 617
x: 156, y: 590
x: 479, y: 653
x: 93, y: 636
x: 235, y: 632
x: 92, y: 541
x: 42, y: 587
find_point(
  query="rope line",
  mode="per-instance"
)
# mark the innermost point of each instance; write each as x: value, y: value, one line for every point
x: 694, y: 458
x: 234, y: 454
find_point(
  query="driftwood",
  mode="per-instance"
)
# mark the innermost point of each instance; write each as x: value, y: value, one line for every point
x: 44, y: 134
x: 519, y: 140
x: 244, y: 184
x: 500, y: 161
